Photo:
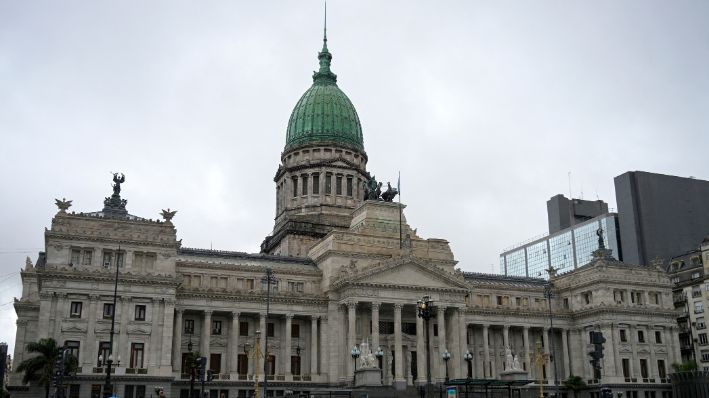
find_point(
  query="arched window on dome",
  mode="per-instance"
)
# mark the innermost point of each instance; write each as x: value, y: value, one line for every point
x: 328, y: 184
x: 316, y: 183
x: 304, y: 184
x: 349, y: 186
x: 338, y: 184
x: 295, y: 186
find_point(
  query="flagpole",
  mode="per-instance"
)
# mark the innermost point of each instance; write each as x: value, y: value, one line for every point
x: 398, y: 188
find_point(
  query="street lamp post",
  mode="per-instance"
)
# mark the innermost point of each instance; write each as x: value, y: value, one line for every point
x: 107, y: 388
x: 549, y: 294
x: 446, y: 357
x: 268, y: 279
x: 380, y: 354
x: 191, y: 368
x: 424, y: 310
x: 469, y: 359
x: 355, y: 354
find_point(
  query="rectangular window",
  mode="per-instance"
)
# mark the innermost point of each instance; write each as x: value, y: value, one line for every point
x: 107, y: 310
x: 295, y: 186
x: 626, y: 368
x: 338, y: 185
x: 217, y: 327
x: 75, y: 309
x: 104, y: 350
x: 74, y: 390
x: 139, y: 312
x: 111, y: 258
x: 658, y: 337
x: 661, y: 369
x: 386, y: 327
x: 623, y: 336
x: 136, y: 355
x: 295, y: 331
x: 271, y: 365
x: 408, y: 328
x: 270, y: 329
x: 499, y: 300
x: 189, y: 326
x: 295, y: 364
x: 242, y: 364
x: 566, y: 303
x: 73, y: 348
x: 243, y: 328
x: 700, y: 323
x: 75, y: 257
x: 435, y: 330
x: 698, y: 307
x: 249, y: 284
x: 316, y: 184
x: 295, y: 287
x: 643, y: 368
x: 349, y: 186
x: 304, y: 181
x: 215, y: 363
x: 86, y: 256
x: 641, y: 336
x: 328, y: 184
x: 702, y: 338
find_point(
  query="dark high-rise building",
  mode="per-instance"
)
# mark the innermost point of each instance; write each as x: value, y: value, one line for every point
x: 564, y: 213
x: 660, y: 216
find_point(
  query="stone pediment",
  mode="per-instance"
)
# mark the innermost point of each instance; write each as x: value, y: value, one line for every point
x: 402, y: 272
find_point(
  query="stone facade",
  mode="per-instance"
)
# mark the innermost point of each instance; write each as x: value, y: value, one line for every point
x: 348, y: 270
x: 358, y: 284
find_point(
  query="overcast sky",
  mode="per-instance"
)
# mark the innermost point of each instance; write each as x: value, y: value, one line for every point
x: 484, y: 107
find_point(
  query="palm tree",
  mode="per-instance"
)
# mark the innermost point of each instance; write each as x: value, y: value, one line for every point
x: 40, y: 368
x: 575, y: 384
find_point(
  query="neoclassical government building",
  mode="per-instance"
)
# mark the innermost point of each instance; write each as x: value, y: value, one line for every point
x: 347, y: 270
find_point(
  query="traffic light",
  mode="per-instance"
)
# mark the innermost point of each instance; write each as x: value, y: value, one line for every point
x: 596, y: 355
x: 210, y: 375
x: 59, y: 366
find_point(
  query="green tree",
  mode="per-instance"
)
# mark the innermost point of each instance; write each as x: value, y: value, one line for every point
x: 40, y: 368
x: 575, y: 384
x: 688, y: 366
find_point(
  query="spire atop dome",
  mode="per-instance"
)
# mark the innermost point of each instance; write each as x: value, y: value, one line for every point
x: 324, y: 76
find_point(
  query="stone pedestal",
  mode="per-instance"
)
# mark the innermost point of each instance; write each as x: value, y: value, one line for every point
x: 368, y: 377
x: 513, y: 375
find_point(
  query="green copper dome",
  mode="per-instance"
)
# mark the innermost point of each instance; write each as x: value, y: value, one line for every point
x: 324, y: 114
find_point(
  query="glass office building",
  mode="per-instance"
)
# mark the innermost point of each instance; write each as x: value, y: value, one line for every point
x: 565, y: 250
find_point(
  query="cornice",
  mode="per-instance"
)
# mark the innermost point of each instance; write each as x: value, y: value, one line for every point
x: 66, y: 273
x: 103, y: 239
x: 350, y: 166
x: 256, y: 297
x: 281, y: 269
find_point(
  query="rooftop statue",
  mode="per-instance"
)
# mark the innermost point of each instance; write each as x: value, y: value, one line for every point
x: 114, y: 206
x: 117, y: 181
x: 390, y: 193
x: 63, y: 204
x: 372, y: 189
x: 167, y: 214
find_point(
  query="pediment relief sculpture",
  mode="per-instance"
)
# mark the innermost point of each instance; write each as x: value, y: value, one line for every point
x: 74, y: 327
x: 400, y: 272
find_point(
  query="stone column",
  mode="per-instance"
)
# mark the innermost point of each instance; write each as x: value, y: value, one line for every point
x: 587, y: 369
x: 177, y: 342
x: 420, y: 352
x: 399, y: 379
x: 324, y: 339
x: 442, y: 343
x: 580, y: 353
x: 233, y: 345
x: 91, y: 346
x: 463, y: 336
x: 565, y: 353
x: 45, y: 311
x: 287, y: 345
x: 456, y: 350
x: 527, y: 359
x: 634, y: 372
x: 351, y: 335
x: 166, y: 354
x: 505, y: 343
x: 313, y: 345
x: 486, y: 348
x: 609, y: 353
x: 653, y: 373
x: 155, y: 334
x: 375, y: 326
x: 206, y: 335
x: 123, y: 340
x: 262, y: 342
x: 545, y: 343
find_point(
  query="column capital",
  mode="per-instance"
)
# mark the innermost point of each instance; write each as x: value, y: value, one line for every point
x: 235, y: 314
x: 314, y: 318
x: 485, y: 325
x: 179, y: 311
x: 289, y: 316
x: 262, y: 315
x: 506, y: 327
x: 398, y: 306
x: 376, y: 305
x: 94, y: 297
x: 351, y: 304
x: 207, y: 313
x: 526, y: 328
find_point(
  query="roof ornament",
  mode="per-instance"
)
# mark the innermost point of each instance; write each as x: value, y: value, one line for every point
x: 114, y: 206
x: 324, y: 76
x: 601, y: 242
x: 167, y: 215
x: 62, y: 204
